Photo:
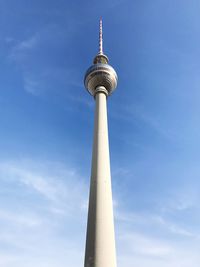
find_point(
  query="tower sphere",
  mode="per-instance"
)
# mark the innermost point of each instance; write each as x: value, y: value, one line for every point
x: 100, y: 74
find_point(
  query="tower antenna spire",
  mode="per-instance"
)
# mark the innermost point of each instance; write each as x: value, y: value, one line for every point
x: 100, y: 37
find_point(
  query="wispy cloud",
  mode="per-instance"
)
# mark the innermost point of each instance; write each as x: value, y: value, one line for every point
x: 19, y: 49
x: 156, y: 222
x: 149, y: 251
x: 150, y: 239
x: 64, y: 186
x: 25, y: 220
x: 40, y: 69
x: 52, y: 200
x: 137, y: 113
x: 61, y: 216
x: 51, y: 79
x: 145, y: 245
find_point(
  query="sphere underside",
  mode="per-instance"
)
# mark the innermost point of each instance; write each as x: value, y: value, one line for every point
x: 100, y: 75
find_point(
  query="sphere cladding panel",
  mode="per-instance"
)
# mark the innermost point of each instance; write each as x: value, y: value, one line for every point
x: 100, y: 75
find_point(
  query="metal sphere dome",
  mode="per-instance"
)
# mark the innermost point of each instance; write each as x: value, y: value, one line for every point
x: 100, y: 75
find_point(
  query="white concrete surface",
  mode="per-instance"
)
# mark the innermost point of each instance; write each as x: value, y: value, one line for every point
x: 100, y: 241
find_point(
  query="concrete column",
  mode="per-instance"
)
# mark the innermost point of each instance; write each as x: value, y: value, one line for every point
x: 100, y: 241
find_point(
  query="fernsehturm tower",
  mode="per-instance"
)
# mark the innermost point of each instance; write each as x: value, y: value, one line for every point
x: 100, y: 81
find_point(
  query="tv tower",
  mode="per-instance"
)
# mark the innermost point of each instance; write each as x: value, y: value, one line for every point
x: 100, y: 81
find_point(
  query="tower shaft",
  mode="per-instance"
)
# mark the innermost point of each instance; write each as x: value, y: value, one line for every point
x: 100, y: 241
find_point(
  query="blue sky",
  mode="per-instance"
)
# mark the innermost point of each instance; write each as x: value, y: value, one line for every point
x: 46, y: 130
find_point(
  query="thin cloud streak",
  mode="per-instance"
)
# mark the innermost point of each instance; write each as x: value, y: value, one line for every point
x: 63, y: 201
x: 46, y: 76
x: 58, y: 189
